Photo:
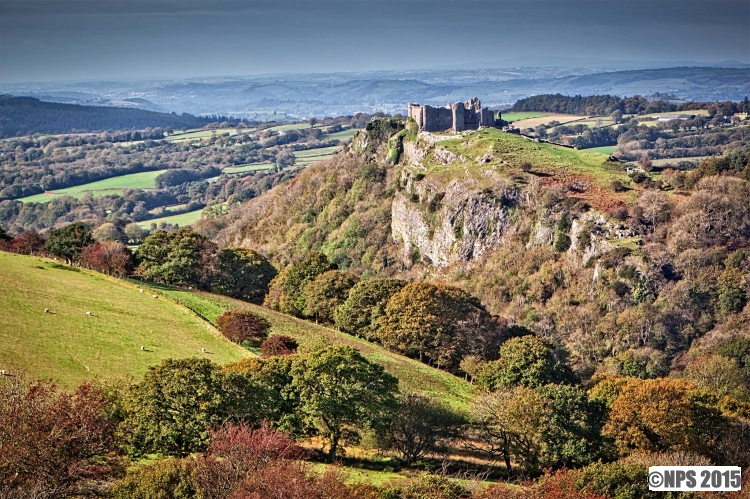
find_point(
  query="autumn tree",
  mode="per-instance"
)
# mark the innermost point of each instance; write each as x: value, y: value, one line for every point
x: 327, y: 292
x: 241, y: 325
x: 526, y: 361
x: 417, y: 426
x: 365, y: 304
x: 135, y: 233
x: 438, y: 324
x: 68, y: 242
x: 341, y: 393
x: 110, y: 258
x: 278, y: 345
x: 717, y: 374
x: 244, y: 274
x: 662, y: 415
x: 108, y: 232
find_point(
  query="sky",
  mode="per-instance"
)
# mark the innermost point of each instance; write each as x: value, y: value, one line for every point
x: 48, y: 40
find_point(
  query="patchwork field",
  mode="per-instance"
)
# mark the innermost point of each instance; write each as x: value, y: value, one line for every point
x: 68, y: 346
x: 523, y: 116
x: 604, y: 149
x: 342, y: 135
x: 544, y: 120
x: 112, y: 185
x: 182, y: 220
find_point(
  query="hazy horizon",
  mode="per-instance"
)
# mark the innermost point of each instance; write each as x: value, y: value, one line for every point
x: 48, y: 40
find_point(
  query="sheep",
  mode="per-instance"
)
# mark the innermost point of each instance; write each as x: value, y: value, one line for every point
x: 2, y: 372
x: 88, y: 313
x: 140, y: 290
x: 143, y: 348
x: 46, y: 310
x: 203, y: 350
x: 190, y: 288
x: 154, y: 297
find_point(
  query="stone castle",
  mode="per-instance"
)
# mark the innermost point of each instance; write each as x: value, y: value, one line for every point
x: 460, y: 116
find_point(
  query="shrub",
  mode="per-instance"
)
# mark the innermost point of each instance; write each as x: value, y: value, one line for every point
x: 69, y: 241
x: 179, y: 258
x: 167, y: 478
x: 242, y: 325
x: 365, y: 304
x: 243, y: 274
x: 278, y: 345
x: 50, y: 439
x: 326, y: 292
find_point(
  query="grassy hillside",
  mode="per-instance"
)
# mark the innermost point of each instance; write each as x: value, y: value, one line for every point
x: 413, y: 374
x: 68, y: 346
x: 182, y: 219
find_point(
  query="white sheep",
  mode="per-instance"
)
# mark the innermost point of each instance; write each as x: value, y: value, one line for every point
x: 154, y: 297
x: 2, y: 372
x: 140, y: 290
x: 88, y: 313
x: 143, y: 348
x: 190, y: 288
x: 203, y: 350
x: 46, y: 310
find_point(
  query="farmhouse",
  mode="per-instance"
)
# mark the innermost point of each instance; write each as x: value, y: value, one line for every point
x: 460, y: 116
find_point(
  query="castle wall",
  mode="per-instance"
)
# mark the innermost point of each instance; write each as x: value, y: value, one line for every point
x: 458, y: 117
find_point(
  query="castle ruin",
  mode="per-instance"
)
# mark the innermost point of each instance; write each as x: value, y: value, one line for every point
x: 460, y: 116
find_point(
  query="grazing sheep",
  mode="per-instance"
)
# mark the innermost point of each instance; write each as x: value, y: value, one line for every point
x: 203, y: 350
x: 154, y: 296
x: 143, y: 348
x: 2, y: 372
x: 140, y: 290
x: 88, y: 313
x: 46, y: 310
x: 190, y: 288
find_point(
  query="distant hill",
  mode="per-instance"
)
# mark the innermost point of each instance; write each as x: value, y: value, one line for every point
x: 27, y: 115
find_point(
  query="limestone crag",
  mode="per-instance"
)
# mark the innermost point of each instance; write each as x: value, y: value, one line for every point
x: 460, y: 223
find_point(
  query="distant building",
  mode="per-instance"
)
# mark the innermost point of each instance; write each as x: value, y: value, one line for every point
x: 670, y: 117
x: 460, y: 116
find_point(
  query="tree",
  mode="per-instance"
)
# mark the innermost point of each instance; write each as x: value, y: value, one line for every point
x: 243, y: 274
x: 526, y: 361
x: 341, y: 392
x: 285, y: 291
x: 178, y: 402
x: 661, y: 415
x: 418, y: 426
x: 179, y: 258
x: 326, y: 292
x: 28, y: 243
x: 732, y: 296
x: 616, y: 116
x: 717, y: 374
x: 69, y: 241
x: 108, y: 232
x: 645, y: 163
x: 365, y: 304
x: 242, y: 325
x: 135, y: 233
x: 438, y: 324
x: 112, y: 258
x: 278, y: 345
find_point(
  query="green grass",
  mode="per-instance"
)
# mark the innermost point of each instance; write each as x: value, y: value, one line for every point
x: 321, y: 151
x: 112, y: 185
x: 248, y: 168
x: 604, y: 149
x: 413, y: 374
x: 522, y: 116
x: 342, y: 135
x: 289, y: 126
x: 182, y: 220
x: 68, y: 346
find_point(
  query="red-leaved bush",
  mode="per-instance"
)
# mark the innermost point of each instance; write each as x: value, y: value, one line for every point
x: 50, y: 439
x: 558, y: 485
x: 242, y: 325
x: 278, y: 345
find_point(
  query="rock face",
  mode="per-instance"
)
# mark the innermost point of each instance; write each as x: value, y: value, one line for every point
x: 460, y: 223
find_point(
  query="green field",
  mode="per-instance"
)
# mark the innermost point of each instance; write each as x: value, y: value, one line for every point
x: 321, y: 151
x: 112, y: 185
x: 604, y: 149
x: 289, y: 126
x: 182, y: 220
x: 342, y: 135
x: 68, y: 346
x: 248, y: 168
x: 522, y: 116
x: 413, y: 374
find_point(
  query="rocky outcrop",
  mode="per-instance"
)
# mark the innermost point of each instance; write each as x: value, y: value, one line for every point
x: 459, y: 223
